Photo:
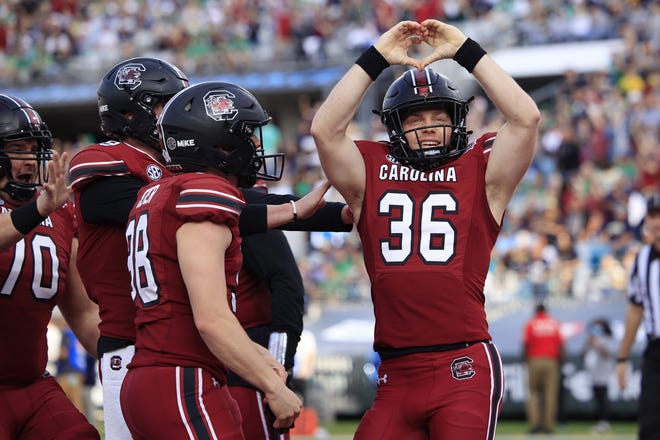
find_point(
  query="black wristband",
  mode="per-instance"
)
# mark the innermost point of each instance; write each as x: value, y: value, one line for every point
x: 469, y: 54
x: 25, y: 218
x: 372, y: 62
x: 621, y: 360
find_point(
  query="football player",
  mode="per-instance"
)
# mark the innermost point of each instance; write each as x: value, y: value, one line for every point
x: 38, y: 272
x: 428, y: 206
x: 106, y: 178
x: 184, y: 258
x: 20, y: 221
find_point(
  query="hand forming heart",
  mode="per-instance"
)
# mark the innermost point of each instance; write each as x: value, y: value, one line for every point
x: 394, y: 44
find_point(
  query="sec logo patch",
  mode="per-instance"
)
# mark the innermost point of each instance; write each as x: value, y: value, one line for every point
x: 154, y: 172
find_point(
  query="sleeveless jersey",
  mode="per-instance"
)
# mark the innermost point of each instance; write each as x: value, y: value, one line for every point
x: 166, y: 331
x: 102, y: 247
x: 427, y: 239
x: 33, y: 276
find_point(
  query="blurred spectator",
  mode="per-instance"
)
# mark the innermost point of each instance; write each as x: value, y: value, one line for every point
x: 71, y: 368
x: 543, y: 350
x: 304, y: 364
x: 89, y: 382
x: 599, y: 355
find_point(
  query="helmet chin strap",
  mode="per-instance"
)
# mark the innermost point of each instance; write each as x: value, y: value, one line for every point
x: 19, y: 192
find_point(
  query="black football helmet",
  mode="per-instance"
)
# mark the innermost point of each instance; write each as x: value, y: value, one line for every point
x: 418, y: 90
x: 18, y: 121
x: 136, y: 86
x: 212, y: 124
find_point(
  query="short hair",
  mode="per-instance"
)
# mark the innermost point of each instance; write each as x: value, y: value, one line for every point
x: 653, y: 204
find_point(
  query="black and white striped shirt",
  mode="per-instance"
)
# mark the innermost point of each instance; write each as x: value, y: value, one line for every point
x: 644, y: 288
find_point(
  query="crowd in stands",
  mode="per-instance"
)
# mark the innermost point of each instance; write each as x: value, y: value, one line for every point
x: 574, y: 223
x: 76, y: 40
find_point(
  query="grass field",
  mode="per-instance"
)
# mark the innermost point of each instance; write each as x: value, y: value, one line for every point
x: 506, y: 430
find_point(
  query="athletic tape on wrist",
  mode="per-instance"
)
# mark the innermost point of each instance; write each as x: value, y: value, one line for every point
x: 277, y: 346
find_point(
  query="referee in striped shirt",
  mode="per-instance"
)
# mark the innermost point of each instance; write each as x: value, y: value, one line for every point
x: 644, y: 304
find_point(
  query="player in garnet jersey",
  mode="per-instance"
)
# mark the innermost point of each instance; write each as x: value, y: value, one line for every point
x: 428, y: 206
x: 38, y: 273
x: 15, y: 224
x: 184, y: 258
x: 106, y: 178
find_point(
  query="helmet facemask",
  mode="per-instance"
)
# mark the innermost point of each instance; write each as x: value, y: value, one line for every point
x: 142, y: 123
x: 19, y: 190
x: 269, y: 167
x: 21, y: 122
x: 422, y: 90
x: 422, y: 157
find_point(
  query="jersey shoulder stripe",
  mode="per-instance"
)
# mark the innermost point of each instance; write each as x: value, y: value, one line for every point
x: 88, y: 170
x: 206, y: 198
x: 486, y: 141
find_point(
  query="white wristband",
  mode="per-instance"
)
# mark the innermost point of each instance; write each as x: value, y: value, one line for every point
x: 295, y: 210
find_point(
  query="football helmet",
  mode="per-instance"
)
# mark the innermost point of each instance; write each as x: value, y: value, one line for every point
x: 419, y: 90
x: 213, y: 124
x: 18, y: 120
x: 128, y: 93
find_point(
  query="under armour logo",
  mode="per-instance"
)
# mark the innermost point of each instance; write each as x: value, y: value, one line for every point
x: 115, y: 363
x: 381, y: 380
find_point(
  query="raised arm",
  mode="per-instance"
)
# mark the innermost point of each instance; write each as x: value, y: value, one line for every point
x: 514, y: 145
x: 340, y: 159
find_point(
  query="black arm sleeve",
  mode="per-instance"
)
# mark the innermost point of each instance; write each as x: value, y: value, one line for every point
x: 254, y: 216
x: 269, y: 257
x: 327, y: 218
x: 109, y: 200
x: 253, y: 219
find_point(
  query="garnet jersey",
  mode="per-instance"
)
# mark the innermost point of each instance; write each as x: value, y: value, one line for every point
x: 33, y: 279
x: 166, y: 331
x: 427, y: 238
x: 102, y: 252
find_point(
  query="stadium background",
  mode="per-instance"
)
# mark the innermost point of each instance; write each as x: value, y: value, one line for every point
x: 591, y: 65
